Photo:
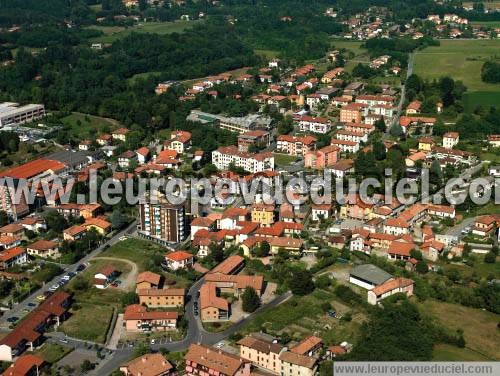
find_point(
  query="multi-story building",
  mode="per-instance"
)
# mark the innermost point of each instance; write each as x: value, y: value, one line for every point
x: 295, y: 145
x: 293, y: 364
x: 354, y: 136
x: 314, y: 124
x: 261, y: 352
x: 13, y: 256
x: 138, y: 318
x: 203, y: 360
x: 345, y: 146
x: 11, y: 113
x: 162, y: 221
x: 161, y: 298
x: 375, y: 100
x: 257, y: 137
x: 322, y: 158
x: 450, y: 139
x: 263, y: 214
x: 352, y: 113
x: 224, y: 156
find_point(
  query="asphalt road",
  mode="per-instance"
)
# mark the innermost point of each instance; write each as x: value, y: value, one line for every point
x: 17, y: 309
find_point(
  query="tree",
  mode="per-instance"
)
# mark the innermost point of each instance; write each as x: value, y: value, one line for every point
x: 118, y: 219
x: 379, y: 151
x: 396, y: 130
x: 435, y: 173
x: 490, y: 258
x: 380, y: 125
x: 130, y: 298
x: 87, y: 366
x: 422, y: 267
x: 250, y: 300
x: 414, y: 83
x: 4, y: 218
x: 323, y: 281
x: 80, y: 283
x: 301, y: 282
x: 263, y: 250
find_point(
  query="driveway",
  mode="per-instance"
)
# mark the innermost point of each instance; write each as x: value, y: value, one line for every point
x: 128, y: 279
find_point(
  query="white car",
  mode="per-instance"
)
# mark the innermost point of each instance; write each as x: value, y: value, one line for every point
x: 220, y: 345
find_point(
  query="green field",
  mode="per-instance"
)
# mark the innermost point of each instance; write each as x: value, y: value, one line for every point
x: 461, y: 60
x: 480, y: 328
x: 112, y: 33
x: 88, y: 126
x: 360, y: 54
x: 267, y: 54
x: 487, y: 23
x: 448, y: 353
x: 141, y: 252
x: 90, y: 322
x: 484, y: 98
x: 283, y: 159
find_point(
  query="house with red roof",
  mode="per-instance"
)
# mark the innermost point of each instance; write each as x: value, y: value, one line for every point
x: 13, y: 256
x: 179, y: 260
x: 137, y: 318
x: 391, y: 287
x: 143, y: 155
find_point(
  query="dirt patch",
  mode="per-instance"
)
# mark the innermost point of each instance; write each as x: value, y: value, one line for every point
x: 128, y: 279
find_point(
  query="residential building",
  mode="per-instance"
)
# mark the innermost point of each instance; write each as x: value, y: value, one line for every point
x: 257, y: 137
x: 236, y: 284
x: 413, y: 108
x: 100, y: 225
x: 212, y: 307
x: 352, y: 113
x: 120, y: 134
x: 314, y: 124
x: 450, y: 139
x: 263, y: 353
x: 147, y: 280
x: 180, y: 141
x: 161, y: 298
x: 138, y: 318
x: 225, y: 156
x: 320, y: 211
x: 44, y: 248
x: 73, y: 233
x: 295, y: 145
x: 179, y: 260
x: 148, y: 365
x: 203, y: 360
x: 310, y: 346
x: 126, y: 159
x: 12, y: 257
x: 263, y: 214
x: 162, y: 222
x: 345, y: 146
x: 322, y: 158
x: 293, y: 364
x: 353, y: 136
x: 342, y: 168
x: 233, y: 124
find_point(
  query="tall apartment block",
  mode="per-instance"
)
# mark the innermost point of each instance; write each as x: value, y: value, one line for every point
x: 162, y: 221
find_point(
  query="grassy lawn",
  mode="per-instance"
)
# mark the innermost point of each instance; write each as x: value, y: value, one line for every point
x: 480, y: 327
x: 112, y: 33
x: 460, y: 59
x: 492, y: 24
x: 136, y: 250
x: 90, y: 322
x: 52, y: 353
x: 283, y: 159
x: 448, y: 353
x: 354, y: 46
x: 88, y: 126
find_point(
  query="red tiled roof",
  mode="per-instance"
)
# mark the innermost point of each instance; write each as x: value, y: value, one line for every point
x: 24, y: 365
x: 33, y: 168
x: 179, y: 256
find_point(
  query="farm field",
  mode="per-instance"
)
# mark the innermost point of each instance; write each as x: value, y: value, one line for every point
x: 461, y: 60
x: 112, y: 33
x: 480, y: 328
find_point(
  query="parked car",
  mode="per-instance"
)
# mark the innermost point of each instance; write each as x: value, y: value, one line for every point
x: 81, y: 267
x: 13, y: 319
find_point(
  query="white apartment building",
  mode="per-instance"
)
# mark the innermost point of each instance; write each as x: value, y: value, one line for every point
x: 314, y: 124
x: 223, y: 157
x: 346, y: 146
